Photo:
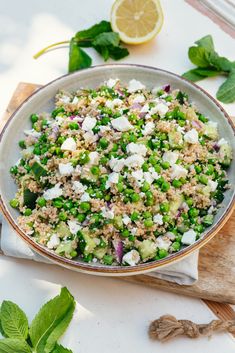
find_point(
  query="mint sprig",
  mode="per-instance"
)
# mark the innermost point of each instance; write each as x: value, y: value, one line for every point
x: 209, y: 64
x: 99, y: 37
x: 45, y: 330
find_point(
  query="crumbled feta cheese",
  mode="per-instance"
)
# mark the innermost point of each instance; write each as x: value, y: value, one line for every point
x: 78, y: 187
x: 112, y: 82
x: 189, y: 237
x: 90, y: 137
x: 54, y: 242
x: 131, y: 258
x: 52, y: 193
x: 64, y: 99
x: 181, y: 129
x: 148, y: 177
x: 134, y: 86
x: 163, y: 242
x: 148, y: 128
x: 106, y: 213
x: 69, y: 145
x: 94, y: 158
x: 157, y: 218
x: 178, y: 172
x: 137, y: 148
x: 140, y: 98
x: 32, y: 133
x: 145, y: 108
x: 126, y: 219
x: 170, y: 235
x: 75, y: 100
x: 155, y: 89
x: 116, y: 164
x: 134, y: 161
x: 138, y: 174
x: 89, y: 123
x: 170, y: 157
x: 113, y: 103
x: 103, y: 129
x: 112, y: 179
x: 160, y: 109
x: 74, y: 226
x: 222, y: 142
x: 154, y: 174
x: 85, y: 197
x: 121, y: 124
x: 212, y: 184
x: 191, y: 136
x: 134, y: 230
x: 66, y: 168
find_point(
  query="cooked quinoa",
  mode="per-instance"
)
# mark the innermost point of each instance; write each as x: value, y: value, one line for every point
x: 120, y: 174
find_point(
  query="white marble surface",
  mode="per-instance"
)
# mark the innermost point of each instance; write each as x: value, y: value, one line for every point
x: 111, y: 316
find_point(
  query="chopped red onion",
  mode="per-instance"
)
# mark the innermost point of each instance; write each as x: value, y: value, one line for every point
x: 197, y: 123
x: 141, y: 115
x: 118, y: 246
x: 166, y: 88
x: 216, y: 147
x: 136, y: 106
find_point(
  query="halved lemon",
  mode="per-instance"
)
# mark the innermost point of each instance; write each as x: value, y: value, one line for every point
x: 136, y: 21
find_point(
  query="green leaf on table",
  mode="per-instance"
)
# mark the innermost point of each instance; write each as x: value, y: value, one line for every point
x: 198, y: 56
x: 221, y: 63
x: 60, y: 349
x: 106, y: 39
x: 206, y: 42
x: 118, y: 53
x: 12, y: 345
x: 78, y: 58
x: 14, y: 322
x: 93, y: 31
x: 51, y: 321
x: 207, y: 72
x: 192, y: 75
x: 226, y: 92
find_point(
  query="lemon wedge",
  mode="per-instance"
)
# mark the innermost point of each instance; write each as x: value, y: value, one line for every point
x: 136, y: 21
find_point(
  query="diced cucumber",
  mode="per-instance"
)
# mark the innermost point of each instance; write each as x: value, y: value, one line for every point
x: 29, y: 198
x: 210, y: 130
x: 147, y: 249
x: 99, y: 252
x: 176, y: 203
x: 62, y: 230
x: 38, y: 170
x: 65, y: 248
x: 175, y: 139
x: 86, y: 243
x: 225, y: 154
x: 118, y: 222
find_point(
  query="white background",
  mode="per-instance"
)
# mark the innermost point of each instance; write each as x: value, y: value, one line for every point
x: 112, y: 316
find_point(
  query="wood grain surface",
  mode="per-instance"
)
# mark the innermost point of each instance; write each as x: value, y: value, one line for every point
x: 216, y: 283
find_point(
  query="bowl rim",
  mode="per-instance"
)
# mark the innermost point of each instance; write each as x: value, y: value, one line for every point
x: 118, y: 270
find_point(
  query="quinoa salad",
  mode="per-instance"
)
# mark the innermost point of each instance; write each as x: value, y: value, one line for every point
x: 121, y: 174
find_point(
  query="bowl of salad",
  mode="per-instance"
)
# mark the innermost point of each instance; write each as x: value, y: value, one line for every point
x: 117, y: 169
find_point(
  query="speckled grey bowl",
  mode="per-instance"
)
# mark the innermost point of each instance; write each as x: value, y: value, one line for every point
x: 42, y: 100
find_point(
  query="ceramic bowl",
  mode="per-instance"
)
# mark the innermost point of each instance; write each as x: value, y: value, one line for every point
x: 42, y: 100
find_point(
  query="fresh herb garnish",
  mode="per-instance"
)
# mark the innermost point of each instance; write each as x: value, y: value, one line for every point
x: 210, y: 64
x: 100, y: 37
x: 46, y: 328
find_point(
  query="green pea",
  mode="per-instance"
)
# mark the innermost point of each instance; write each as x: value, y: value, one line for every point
x: 105, y: 120
x: 148, y: 223
x: 34, y: 118
x: 162, y: 253
x: 37, y: 151
x: 189, y: 201
x: 95, y: 170
x: 157, y: 168
x: 27, y: 212
x: 181, y: 123
x: 165, y: 165
x: 44, y: 150
x: 120, y: 186
x: 74, y: 126
x: 14, y: 170
x: 193, y: 212
x: 176, y: 183
x: 145, y: 167
x: 131, y: 237
x: 125, y: 233
x: 135, y: 197
x: 99, y: 194
x: 107, y: 197
x: 102, y: 244
x: 135, y: 216
x: 107, y: 259
x: 147, y: 214
x: 210, y: 169
x: 61, y: 140
x: 88, y: 258
x: 22, y: 144
x: 202, y: 118
x: 152, y: 160
x: 198, y: 169
x: 41, y: 202
x: 199, y: 228
x: 164, y: 207
x: 84, y: 158
x: 103, y: 143
x: 160, y: 181
x: 175, y: 245
x: 128, y: 191
x: 166, y: 218
x: 85, y: 206
x: 73, y: 253
x: 68, y: 205
x: 73, y: 211
x: 104, y: 160
x: 165, y: 186
x: 145, y: 186
x: 115, y: 147
x: 62, y: 216
x: 44, y: 160
x: 81, y: 217
x: 203, y: 179
x: 58, y: 203
x: 208, y: 220
x: 14, y: 203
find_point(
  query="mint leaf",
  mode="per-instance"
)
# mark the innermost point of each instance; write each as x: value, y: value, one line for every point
x: 93, y: 31
x: 14, y: 322
x: 192, y: 75
x: 220, y: 62
x: 11, y: 345
x: 198, y: 56
x: 226, y: 92
x: 206, y: 42
x: 207, y: 72
x: 60, y: 349
x: 118, y: 53
x: 48, y: 323
x: 106, y: 39
x: 78, y: 58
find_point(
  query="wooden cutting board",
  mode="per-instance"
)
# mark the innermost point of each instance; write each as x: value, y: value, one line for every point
x: 216, y: 259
